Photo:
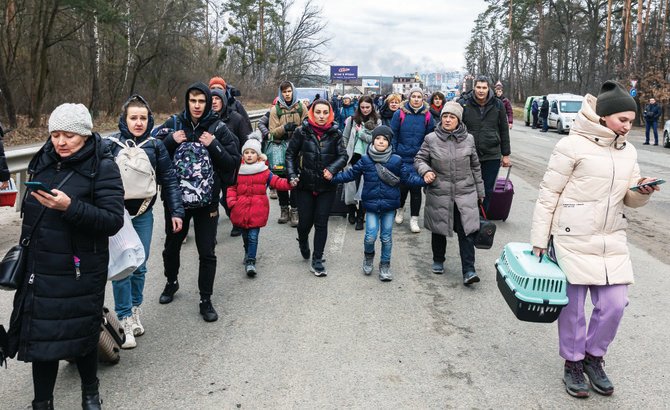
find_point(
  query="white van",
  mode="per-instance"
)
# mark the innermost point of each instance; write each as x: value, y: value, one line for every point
x: 563, y: 109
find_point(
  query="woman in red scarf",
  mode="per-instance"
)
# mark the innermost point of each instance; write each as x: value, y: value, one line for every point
x: 316, y: 149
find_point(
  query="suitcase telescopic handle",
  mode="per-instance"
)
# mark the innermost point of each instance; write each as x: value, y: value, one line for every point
x: 509, y: 169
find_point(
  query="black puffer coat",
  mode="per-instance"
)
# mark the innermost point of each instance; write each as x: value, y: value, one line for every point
x: 58, y: 310
x: 160, y: 161
x: 307, y: 157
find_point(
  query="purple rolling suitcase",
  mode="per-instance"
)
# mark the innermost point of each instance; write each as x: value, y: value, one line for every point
x: 501, y: 198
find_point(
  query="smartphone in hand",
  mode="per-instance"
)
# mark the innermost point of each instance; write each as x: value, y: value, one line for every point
x: 652, y: 183
x: 38, y: 186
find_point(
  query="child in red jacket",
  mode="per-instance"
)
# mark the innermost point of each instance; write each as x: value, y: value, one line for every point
x: 248, y: 200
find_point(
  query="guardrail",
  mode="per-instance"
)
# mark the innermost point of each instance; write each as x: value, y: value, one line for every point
x: 18, y: 159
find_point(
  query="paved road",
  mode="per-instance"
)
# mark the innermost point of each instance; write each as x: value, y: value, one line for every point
x: 287, y: 339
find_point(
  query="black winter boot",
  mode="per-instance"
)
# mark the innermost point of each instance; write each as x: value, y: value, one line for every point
x: 43, y: 405
x: 90, y: 396
x: 575, y: 382
x: 593, y: 367
x: 360, y: 219
x: 303, y: 244
x: 352, y: 214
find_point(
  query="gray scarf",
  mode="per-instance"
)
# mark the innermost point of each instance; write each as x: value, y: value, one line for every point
x: 459, y: 134
x: 381, y: 157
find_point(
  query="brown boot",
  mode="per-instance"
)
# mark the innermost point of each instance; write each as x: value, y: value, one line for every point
x: 283, y: 218
x: 294, y: 217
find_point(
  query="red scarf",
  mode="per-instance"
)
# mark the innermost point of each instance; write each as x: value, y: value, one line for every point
x: 437, y: 109
x: 319, y: 130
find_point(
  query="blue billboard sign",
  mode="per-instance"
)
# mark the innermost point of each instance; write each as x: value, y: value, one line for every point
x: 343, y: 72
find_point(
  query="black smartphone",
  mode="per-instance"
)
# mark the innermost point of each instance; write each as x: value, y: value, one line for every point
x: 652, y: 183
x: 38, y: 186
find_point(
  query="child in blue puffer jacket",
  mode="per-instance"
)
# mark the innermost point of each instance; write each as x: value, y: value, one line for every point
x: 382, y: 171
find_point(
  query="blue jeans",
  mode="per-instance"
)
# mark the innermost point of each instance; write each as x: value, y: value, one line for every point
x: 490, y: 170
x: 250, y: 238
x: 129, y: 292
x: 651, y: 125
x: 373, y: 220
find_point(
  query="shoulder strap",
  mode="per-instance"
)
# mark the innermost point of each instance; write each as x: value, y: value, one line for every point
x: 280, y: 112
x: 300, y: 108
x: 427, y: 117
x: 144, y: 142
x: 175, y: 122
x: 270, y: 175
x: 116, y: 140
x: 402, y: 116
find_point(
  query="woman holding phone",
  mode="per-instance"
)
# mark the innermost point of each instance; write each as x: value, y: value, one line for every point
x: 580, y: 214
x: 58, y: 308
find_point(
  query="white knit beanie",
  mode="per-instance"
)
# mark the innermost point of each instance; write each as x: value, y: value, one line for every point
x: 73, y: 118
x: 414, y: 90
x: 254, y: 143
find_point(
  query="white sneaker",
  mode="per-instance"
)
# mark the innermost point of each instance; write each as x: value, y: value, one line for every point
x: 414, y: 224
x: 130, y: 342
x: 138, y: 329
x: 399, y: 215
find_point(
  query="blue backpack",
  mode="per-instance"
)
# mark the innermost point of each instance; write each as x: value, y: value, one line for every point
x: 195, y: 172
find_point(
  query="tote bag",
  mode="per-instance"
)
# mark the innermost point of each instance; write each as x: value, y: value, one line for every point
x: 126, y: 252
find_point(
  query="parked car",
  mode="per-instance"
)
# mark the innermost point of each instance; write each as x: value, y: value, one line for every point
x: 563, y: 109
x: 307, y: 94
x: 666, y: 134
x: 527, y: 114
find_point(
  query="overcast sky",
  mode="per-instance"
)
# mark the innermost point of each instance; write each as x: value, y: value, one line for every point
x: 392, y: 37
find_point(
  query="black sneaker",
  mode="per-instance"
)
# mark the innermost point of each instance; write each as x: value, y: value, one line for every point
x: 168, y: 292
x: 236, y: 231
x: 593, y: 367
x: 646, y: 143
x: 575, y: 382
x: 317, y: 267
x: 304, y: 248
x: 470, y: 278
x: 207, y: 311
x: 250, y: 268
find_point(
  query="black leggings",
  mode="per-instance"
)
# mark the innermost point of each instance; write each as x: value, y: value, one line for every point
x: 287, y: 198
x: 313, y: 210
x: 44, y: 374
x: 415, y: 198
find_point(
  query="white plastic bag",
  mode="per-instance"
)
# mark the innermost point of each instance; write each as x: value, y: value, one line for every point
x: 126, y: 252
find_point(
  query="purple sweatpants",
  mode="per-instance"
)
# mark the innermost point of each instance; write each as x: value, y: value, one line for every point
x: 608, y: 304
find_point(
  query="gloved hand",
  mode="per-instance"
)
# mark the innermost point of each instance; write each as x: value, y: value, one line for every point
x: 290, y: 127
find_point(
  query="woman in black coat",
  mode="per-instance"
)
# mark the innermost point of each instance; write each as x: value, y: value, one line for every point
x: 316, y: 149
x: 58, y: 308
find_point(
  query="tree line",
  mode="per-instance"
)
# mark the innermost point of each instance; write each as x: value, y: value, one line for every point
x: 99, y: 52
x: 541, y: 46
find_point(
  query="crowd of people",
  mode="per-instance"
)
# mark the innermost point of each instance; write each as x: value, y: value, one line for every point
x: 380, y: 150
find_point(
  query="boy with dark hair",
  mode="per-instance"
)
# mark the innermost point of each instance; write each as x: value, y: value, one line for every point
x: 204, y: 151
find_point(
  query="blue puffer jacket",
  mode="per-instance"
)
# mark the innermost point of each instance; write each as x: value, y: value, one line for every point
x: 408, y: 136
x: 345, y: 112
x: 377, y: 195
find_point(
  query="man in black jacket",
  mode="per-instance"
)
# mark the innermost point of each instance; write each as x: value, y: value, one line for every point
x: 236, y: 123
x: 486, y: 119
x: 652, y: 113
x: 544, y: 114
x: 198, y: 124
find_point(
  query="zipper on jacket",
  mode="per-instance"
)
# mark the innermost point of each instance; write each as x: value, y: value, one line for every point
x: 607, y: 212
x: 77, y: 272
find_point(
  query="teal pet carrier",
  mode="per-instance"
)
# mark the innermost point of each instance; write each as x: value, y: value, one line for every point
x: 534, y: 288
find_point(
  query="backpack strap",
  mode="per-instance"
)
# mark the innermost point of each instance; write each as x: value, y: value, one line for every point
x: 402, y: 116
x: 427, y: 117
x: 270, y: 175
x: 279, y: 111
x: 116, y: 141
x: 144, y: 142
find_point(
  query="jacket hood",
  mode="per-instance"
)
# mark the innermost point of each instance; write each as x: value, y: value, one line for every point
x: 460, y: 133
x: 208, y: 113
x: 409, y: 110
x: 123, y: 125
x: 282, y: 102
x: 587, y: 125
x: 385, y: 111
x: 85, y: 161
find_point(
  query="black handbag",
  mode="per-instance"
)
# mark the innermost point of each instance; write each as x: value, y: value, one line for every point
x: 12, y: 267
x: 486, y: 233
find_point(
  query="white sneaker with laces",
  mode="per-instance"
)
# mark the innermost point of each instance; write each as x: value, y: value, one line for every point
x: 414, y: 224
x: 138, y: 329
x: 130, y: 342
x: 399, y: 215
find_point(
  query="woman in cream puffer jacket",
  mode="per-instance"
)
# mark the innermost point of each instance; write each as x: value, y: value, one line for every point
x: 581, y: 206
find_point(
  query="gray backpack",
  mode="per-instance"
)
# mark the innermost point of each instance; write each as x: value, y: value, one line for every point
x: 137, y: 173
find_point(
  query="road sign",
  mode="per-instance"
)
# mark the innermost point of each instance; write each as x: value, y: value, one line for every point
x: 633, y: 92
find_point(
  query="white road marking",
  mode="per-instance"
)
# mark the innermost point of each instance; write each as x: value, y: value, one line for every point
x: 336, y: 234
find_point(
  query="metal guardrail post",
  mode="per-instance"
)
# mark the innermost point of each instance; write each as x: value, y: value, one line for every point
x: 18, y: 159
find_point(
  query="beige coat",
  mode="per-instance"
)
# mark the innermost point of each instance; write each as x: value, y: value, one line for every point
x: 581, y: 202
x: 290, y: 114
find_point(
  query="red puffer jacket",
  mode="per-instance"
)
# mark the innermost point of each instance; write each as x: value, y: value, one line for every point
x: 248, y: 200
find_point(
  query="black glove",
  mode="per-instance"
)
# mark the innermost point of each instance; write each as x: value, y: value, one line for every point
x: 290, y: 127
